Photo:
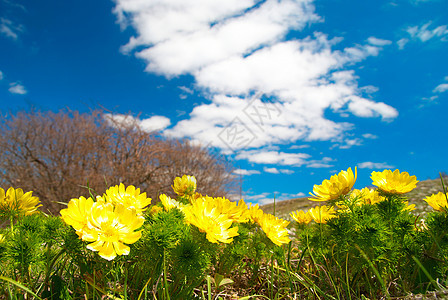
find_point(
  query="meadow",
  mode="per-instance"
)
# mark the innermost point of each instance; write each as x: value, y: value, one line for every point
x: 386, y: 242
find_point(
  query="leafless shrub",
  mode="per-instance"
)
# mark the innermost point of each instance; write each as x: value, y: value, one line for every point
x: 56, y: 155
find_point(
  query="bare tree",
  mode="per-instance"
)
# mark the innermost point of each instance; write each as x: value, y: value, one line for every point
x: 56, y: 155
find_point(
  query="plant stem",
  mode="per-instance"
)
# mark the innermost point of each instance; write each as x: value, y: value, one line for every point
x: 165, y: 280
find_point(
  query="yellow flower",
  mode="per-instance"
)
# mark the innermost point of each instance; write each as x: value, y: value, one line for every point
x: 168, y: 202
x: 366, y: 196
x: 255, y: 213
x: 185, y: 185
x: 237, y: 212
x: 15, y: 202
x: 275, y: 229
x: 321, y: 214
x: 207, y: 218
x: 438, y: 201
x: 129, y: 197
x: 394, y: 182
x: 301, y: 217
x: 409, y: 207
x: 77, y: 214
x: 332, y: 189
x: 111, y: 227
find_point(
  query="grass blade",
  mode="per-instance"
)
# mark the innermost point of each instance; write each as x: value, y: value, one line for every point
x: 21, y: 286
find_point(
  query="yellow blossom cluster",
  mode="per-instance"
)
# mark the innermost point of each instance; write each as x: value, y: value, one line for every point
x: 110, y: 222
x: 340, y: 185
x: 366, y: 196
x: 15, y: 202
x: 275, y: 228
x: 211, y: 219
x: 320, y: 214
x: 217, y: 216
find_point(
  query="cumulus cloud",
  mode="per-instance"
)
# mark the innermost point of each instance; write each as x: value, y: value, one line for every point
x: 367, y: 108
x: 378, y: 42
x: 348, y: 143
x: 154, y: 123
x: 441, y: 88
x: 323, y: 163
x: 369, y: 136
x: 277, y: 171
x: 373, y: 165
x: 188, y: 35
x: 271, y: 170
x: 264, y: 89
x: 274, y: 157
x: 245, y: 172
x: 268, y: 197
x: 17, y: 88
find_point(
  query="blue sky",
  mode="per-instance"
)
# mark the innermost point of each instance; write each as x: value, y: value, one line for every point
x: 291, y: 91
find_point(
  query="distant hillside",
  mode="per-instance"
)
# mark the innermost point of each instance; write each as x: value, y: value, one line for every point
x: 424, y: 188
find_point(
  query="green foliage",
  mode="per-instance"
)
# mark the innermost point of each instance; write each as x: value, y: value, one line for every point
x: 366, y: 241
x: 368, y: 251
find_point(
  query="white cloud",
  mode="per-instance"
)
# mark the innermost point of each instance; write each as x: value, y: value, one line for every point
x: 299, y: 147
x: 441, y: 88
x: 368, y: 108
x: 1, y: 75
x: 348, y: 143
x: 416, y: 2
x: 17, y: 88
x: 378, y: 42
x: 154, y: 123
x: 286, y: 171
x: 271, y: 170
x: 184, y: 41
x: 430, y: 99
x: 186, y: 90
x: 9, y: 29
x: 424, y: 34
x: 245, y: 172
x: 268, y: 197
x: 273, y: 157
x: 237, y: 48
x: 277, y: 171
x: 260, y: 199
x: 369, y: 136
x: 318, y: 164
x: 373, y: 165
x: 402, y: 42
